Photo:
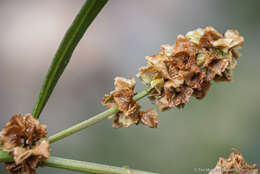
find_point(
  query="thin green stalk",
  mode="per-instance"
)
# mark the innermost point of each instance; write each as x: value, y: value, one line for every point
x: 89, y: 167
x: 143, y: 93
x: 80, y: 166
x: 5, y: 157
x: 86, y: 15
x: 91, y: 121
x: 82, y: 125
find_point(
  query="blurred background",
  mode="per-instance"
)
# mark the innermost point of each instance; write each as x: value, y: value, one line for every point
x: 115, y: 45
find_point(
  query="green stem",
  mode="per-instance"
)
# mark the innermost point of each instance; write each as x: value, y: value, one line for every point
x: 91, y: 121
x: 82, y: 125
x: 86, y: 15
x: 143, y: 93
x: 5, y: 157
x: 81, y: 166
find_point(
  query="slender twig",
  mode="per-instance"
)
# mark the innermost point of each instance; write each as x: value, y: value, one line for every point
x: 84, y: 124
x: 143, y: 93
x: 86, y: 15
x: 89, y: 167
x: 5, y: 157
x: 79, y: 166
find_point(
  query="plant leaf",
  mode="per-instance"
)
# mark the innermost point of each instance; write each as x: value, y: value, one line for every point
x: 87, y: 14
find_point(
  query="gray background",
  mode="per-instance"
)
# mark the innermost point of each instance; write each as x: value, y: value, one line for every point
x: 115, y: 45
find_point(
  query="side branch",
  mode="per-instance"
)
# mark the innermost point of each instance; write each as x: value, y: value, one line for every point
x: 89, y: 167
x: 93, y: 120
x: 80, y: 166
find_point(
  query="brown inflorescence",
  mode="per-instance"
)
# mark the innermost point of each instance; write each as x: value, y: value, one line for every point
x: 187, y: 68
x: 24, y: 139
x: 129, y: 111
x: 234, y: 164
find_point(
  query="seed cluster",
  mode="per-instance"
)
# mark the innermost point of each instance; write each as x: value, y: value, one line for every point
x: 24, y: 139
x: 178, y: 72
x: 187, y: 68
x: 129, y: 111
x: 234, y: 164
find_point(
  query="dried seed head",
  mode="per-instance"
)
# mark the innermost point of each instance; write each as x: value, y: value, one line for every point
x: 23, y: 138
x: 186, y: 68
x: 234, y: 164
x: 149, y: 118
x: 122, y: 97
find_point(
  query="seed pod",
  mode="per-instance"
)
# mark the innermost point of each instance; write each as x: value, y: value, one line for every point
x: 187, y: 68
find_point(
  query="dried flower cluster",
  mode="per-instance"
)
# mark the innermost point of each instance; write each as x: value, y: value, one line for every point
x: 23, y: 138
x: 186, y: 68
x: 234, y: 164
x: 129, y: 111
